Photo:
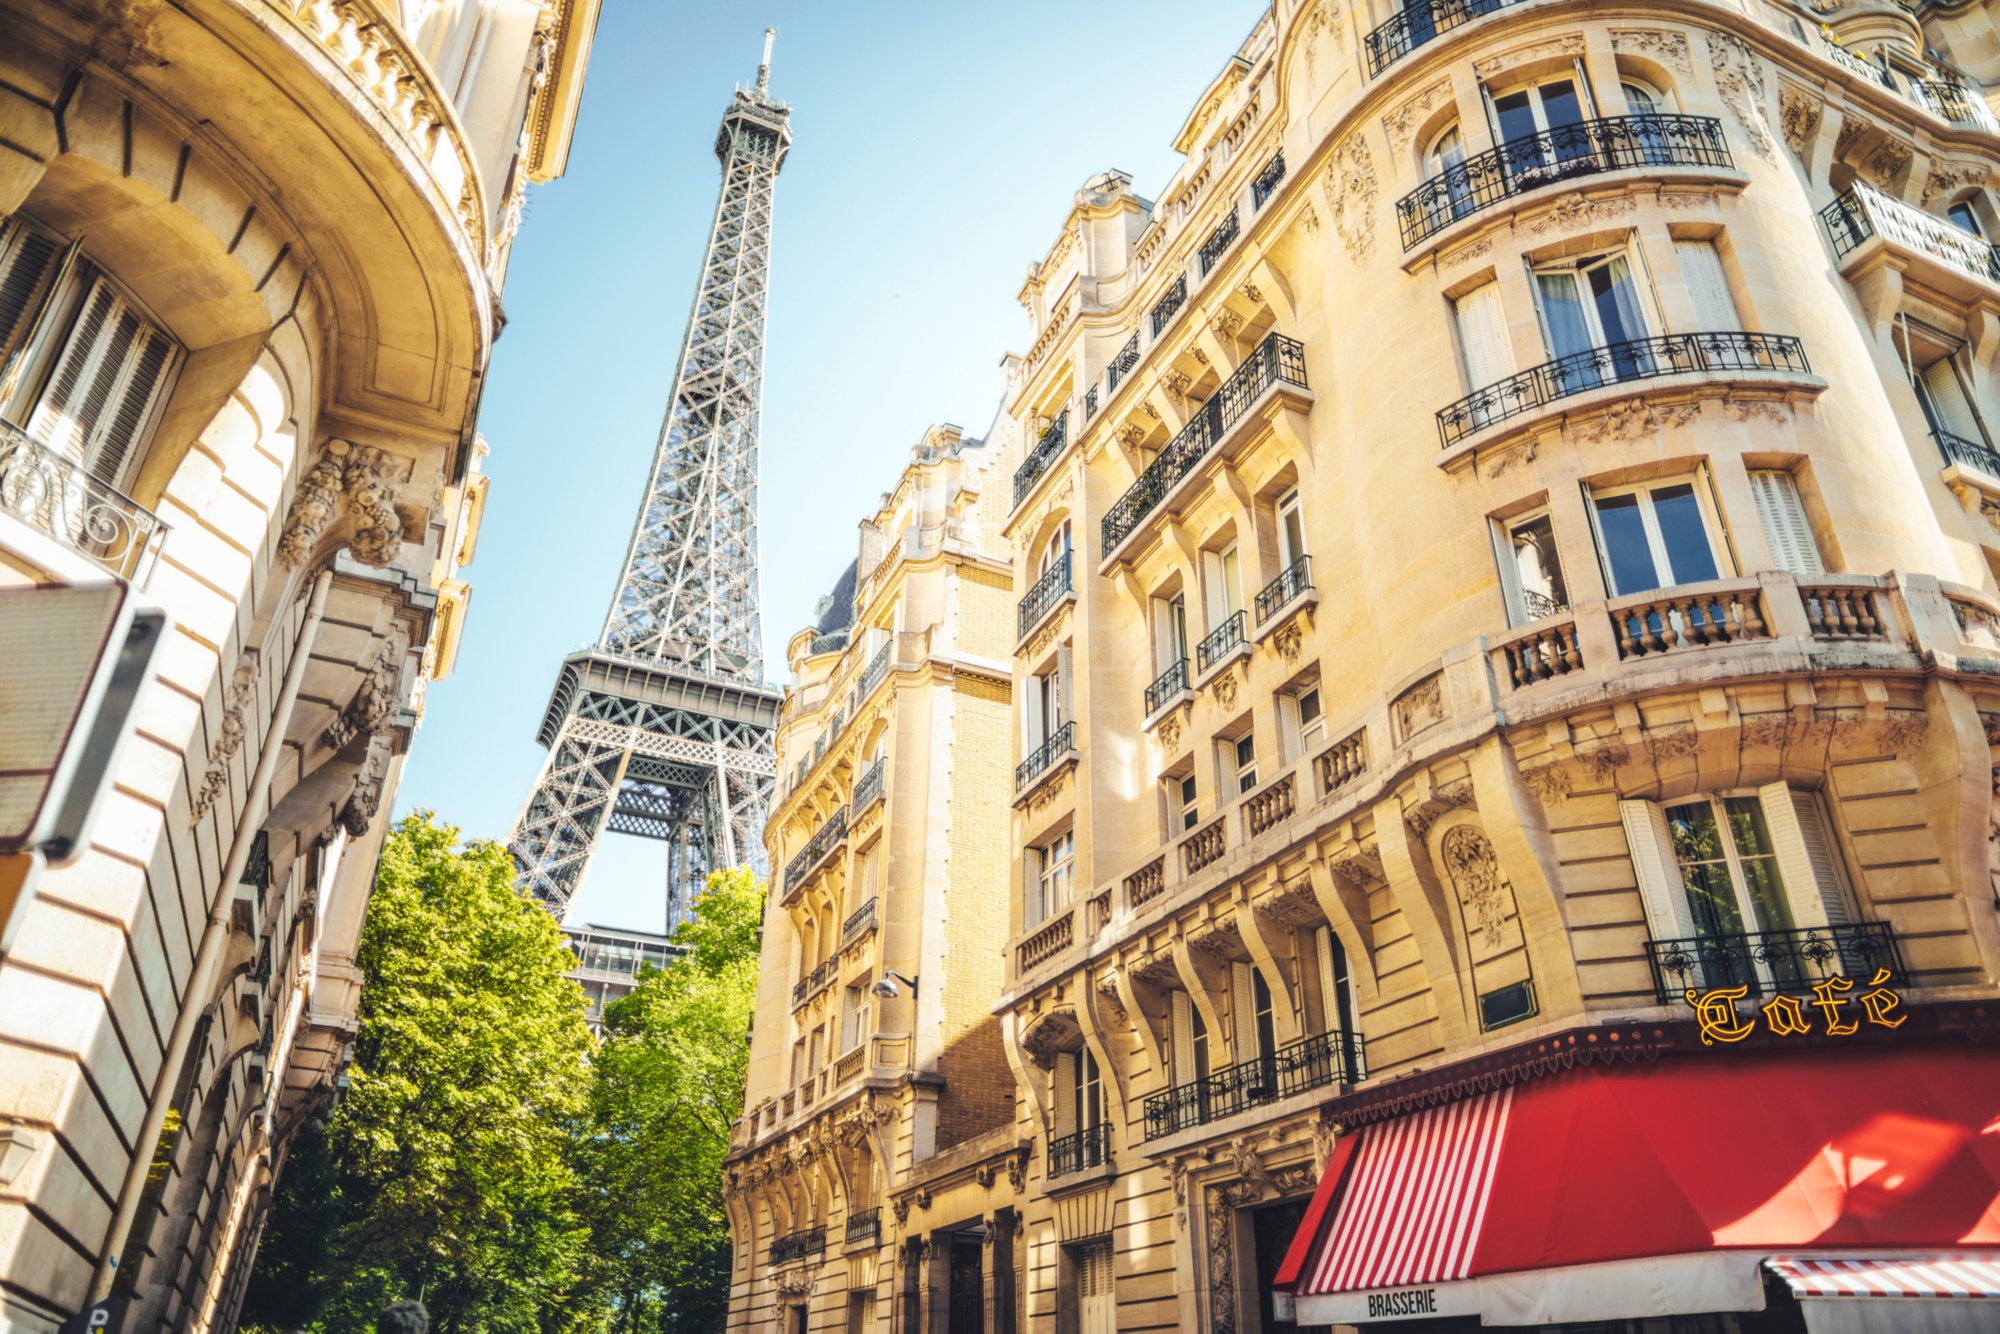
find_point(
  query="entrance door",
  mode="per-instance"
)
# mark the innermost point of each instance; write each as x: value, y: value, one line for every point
x: 1272, y: 1230
x: 968, y: 1286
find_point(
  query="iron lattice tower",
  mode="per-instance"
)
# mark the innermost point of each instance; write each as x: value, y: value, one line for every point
x: 663, y: 727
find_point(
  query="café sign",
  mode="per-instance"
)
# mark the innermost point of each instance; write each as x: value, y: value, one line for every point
x: 1832, y: 1010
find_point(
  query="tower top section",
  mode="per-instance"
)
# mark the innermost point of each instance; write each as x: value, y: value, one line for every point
x: 756, y: 123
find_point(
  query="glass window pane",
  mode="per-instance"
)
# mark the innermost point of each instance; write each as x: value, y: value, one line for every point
x: 1766, y: 889
x: 1517, y: 119
x: 1711, y: 897
x: 1560, y: 105
x: 1690, y: 559
x: 1963, y: 217
x: 1626, y: 550
x: 1616, y: 301
x: 1540, y: 573
x: 1562, y: 310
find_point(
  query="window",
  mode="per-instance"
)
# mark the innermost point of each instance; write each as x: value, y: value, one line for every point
x: 1169, y: 631
x: 1590, y: 312
x: 1530, y: 570
x: 1784, y: 520
x: 1055, y: 870
x: 1715, y: 868
x: 1187, y: 1039
x: 1291, y: 531
x: 1251, y: 1017
x: 1186, y: 813
x: 1483, y: 340
x: 1221, y: 585
x: 1653, y: 537
x: 1965, y: 218
x: 1522, y: 114
x: 1336, y: 986
x: 1445, y: 160
x: 1940, y: 386
x: 1304, y: 723
x: 1055, y: 550
x: 799, y: 1061
x: 1096, y: 1291
x: 854, y: 1007
x: 84, y: 368
x: 1708, y: 287
x: 1048, y: 701
x: 1241, y: 757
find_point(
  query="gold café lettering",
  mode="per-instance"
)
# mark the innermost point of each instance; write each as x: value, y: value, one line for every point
x: 1788, y: 1016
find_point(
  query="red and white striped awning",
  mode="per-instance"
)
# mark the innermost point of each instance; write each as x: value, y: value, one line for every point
x: 1947, y: 1276
x: 1414, y: 1210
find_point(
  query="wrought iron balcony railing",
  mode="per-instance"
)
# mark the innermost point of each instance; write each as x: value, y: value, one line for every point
x: 58, y: 496
x: 818, y: 980
x: 868, y: 787
x: 1421, y: 21
x: 864, y: 1225
x: 1268, y: 180
x: 872, y: 674
x: 1171, y: 682
x: 823, y: 841
x: 1122, y: 364
x: 1294, y: 583
x: 1968, y: 453
x: 1310, y: 1063
x: 1566, y: 153
x: 1619, y: 363
x: 1218, y: 241
x: 1277, y: 360
x: 1863, y: 211
x: 1169, y: 305
x: 1061, y: 742
x: 798, y: 1245
x: 1774, y: 962
x: 1050, y: 589
x: 1041, y: 456
x: 1090, y: 403
x: 1089, y: 1147
x: 1858, y: 64
x: 1951, y: 102
x: 1229, y: 635
x: 859, y: 920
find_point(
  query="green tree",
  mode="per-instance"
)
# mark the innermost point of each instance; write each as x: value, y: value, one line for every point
x: 447, y: 1171
x: 669, y: 1083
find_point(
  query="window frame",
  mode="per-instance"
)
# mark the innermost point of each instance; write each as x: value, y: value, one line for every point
x: 1506, y: 555
x: 1712, y: 528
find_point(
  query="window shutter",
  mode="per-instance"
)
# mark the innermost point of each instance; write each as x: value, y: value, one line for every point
x: 1097, y: 1300
x: 1482, y: 334
x: 1714, y: 307
x: 28, y: 261
x: 102, y: 389
x: 132, y: 407
x: 1243, y: 1011
x: 1329, y: 984
x: 1658, y: 870
x: 56, y: 420
x: 1181, y: 1036
x: 1947, y: 397
x: 1066, y: 708
x: 1785, y: 525
x: 1805, y: 857
x: 1031, y: 708
x: 1065, y: 1089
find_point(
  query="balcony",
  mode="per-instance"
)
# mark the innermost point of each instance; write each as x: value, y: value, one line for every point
x: 798, y: 1245
x: 59, y: 497
x: 1171, y: 685
x: 1271, y: 806
x: 1044, y: 597
x: 1218, y: 242
x: 871, y: 676
x: 1053, y: 442
x: 864, y: 1225
x: 1146, y: 884
x: 1290, y: 587
x: 1963, y: 453
x: 1087, y: 1148
x: 1344, y: 761
x: 1949, y: 102
x: 858, y: 921
x: 1122, y: 364
x: 1587, y: 148
x: 868, y: 788
x: 1060, y: 743
x: 1277, y: 360
x: 1055, y: 936
x: 1689, y: 616
x: 1774, y: 962
x: 1420, y: 22
x: 1201, y: 849
x: 818, y: 980
x: 828, y: 837
x: 1169, y: 305
x: 1222, y: 641
x: 1863, y: 212
x: 1721, y: 353
x: 1268, y: 180
x: 1299, y: 1067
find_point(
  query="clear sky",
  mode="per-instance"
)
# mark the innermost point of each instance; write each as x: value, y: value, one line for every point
x: 935, y: 151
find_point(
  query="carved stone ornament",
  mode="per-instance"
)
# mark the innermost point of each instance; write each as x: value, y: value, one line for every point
x: 358, y: 812
x: 1351, y: 194
x: 1751, y: 409
x: 1224, y: 940
x: 1904, y: 733
x: 1948, y: 179
x: 1249, y: 1165
x: 377, y: 532
x: 1402, y: 123
x: 1225, y: 689
x: 1042, y: 1042
x: 1289, y: 641
x: 1309, y: 219
x: 1419, y: 706
x: 1362, y: 869
x: 366, y: 476
x: 1886, y: 164
x: 1669, y: 48
x: 1739, y: 77
x: 794, y: 1285
x: 923, y: 1198
x: 1549, y: 782
x: 1604, y: 760
x: 1477, y: 248
x: 900, y: 1208
x: 1475, y: 874
x: 1293, y: 903
x: 1322, y: 20
x: 1574, y: 212
x: 1107, y: 987
x: 1633, y: 419
x: 1017, y: 1177
x: 1251, y: 292
x: 1170, y: 732
x: 1130, y: 434
x: 313, y: 506
x: 1226, y: 324
x: 1218, y: 1222
x: 235, y: 705
x: 1766, y: 730
x: 1324, y: 1134
x: 1678, y: 744
x: 1176, y: 382
x: 1799, y: 114
x: 1851, y: 130
x: 1568, y: 46
x: 374, y: 701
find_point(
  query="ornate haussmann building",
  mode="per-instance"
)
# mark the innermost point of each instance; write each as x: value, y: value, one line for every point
x: 1503, y: 688
x: 250, y: 262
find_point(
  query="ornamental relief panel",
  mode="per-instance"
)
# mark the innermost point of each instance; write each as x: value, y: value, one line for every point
x: 1401, y: 124
x: 1668, y: 48
x: 1739, y: 77
x: 1351, y: 194
x: 1568, y: 47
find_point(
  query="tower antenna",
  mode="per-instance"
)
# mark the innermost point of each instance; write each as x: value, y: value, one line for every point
x: 764, y: 65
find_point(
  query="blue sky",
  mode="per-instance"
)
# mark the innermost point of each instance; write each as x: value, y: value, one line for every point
x: 935, y: 151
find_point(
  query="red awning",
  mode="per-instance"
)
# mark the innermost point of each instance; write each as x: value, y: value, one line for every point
x: 1942, y: 1276
x: 1876, y: 1150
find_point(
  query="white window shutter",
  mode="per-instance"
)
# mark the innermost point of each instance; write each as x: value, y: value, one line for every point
x: 127, y: 414
x: 1031, y: 708
x: 1066, y: 706
x: 1482, y: 334
x: 56, y: 420
x: 1653, y: 861
x: 1329, y: 984
x: 28, y: 261
x: 1181, y: 1035
x: 1243, y: 1011
x: 1948, y: 400
x: 1805, y: 857
x: 1708, y: 286
x: 1785, y: 525
x: 1065, y: 1090
x: 1097, y: 1300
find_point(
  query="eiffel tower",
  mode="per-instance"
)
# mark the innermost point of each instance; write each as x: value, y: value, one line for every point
x: 663, y: 727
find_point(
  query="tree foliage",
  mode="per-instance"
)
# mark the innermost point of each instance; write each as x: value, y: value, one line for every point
x: 446, y: 1171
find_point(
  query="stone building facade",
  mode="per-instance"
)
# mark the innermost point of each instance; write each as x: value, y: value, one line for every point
x: 874, y: 1175
x: 1506, y: 539
x: 250, y: 261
